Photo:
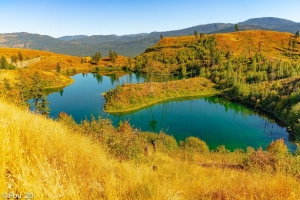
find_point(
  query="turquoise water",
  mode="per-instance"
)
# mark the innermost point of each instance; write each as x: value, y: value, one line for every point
x: 213, y: 119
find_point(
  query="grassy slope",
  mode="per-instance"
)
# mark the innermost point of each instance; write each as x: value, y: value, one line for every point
x: 47, y: 159
x: 273, y: 43
x: 135, y: 96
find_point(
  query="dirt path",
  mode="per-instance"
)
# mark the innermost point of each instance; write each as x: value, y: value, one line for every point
x: 27, y: 62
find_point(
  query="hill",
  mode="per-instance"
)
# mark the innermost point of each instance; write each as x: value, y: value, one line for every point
x: 171, y: 52
x: 272, y: 23
x: 61, y: 160
x: 133, y: 44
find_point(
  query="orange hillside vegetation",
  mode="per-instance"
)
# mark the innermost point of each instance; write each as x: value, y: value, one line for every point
x: 239, y: 43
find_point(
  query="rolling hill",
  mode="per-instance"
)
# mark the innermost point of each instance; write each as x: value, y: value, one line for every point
x: 134, y: 44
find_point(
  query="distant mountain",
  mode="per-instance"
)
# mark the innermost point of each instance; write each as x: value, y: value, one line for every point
x: 133, y: 44
x: 241, y: 28
x: 71, y: 37
x: 289, y: 28
x: 269, y: 22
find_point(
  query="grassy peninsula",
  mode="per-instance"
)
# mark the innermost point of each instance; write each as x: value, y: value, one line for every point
x: 129, y: 97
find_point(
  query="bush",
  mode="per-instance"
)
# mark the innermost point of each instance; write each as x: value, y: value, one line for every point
x: 277, y: 147
x: 222, y: 149
x: 194, y: 144
x: 162, y: 140
x: 124, y: 144
x: 260, y: 159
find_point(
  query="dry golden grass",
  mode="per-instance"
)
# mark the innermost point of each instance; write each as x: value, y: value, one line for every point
x: 27, y: 53
x: 10, y: 75
x: 43, y: 157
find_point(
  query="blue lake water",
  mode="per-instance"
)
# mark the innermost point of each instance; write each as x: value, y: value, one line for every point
x: 212, y: 119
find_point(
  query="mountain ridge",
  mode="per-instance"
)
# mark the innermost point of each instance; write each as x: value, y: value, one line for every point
x: 132, y: 44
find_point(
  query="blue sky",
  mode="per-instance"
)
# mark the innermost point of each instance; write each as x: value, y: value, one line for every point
x: 73, y: 17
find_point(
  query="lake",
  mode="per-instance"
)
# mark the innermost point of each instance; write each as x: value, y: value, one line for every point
x: 213, y: 119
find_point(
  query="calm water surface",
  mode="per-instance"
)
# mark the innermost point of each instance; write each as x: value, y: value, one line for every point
x: 214, y: 120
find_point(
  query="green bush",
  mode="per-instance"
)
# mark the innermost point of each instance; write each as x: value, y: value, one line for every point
x: 194, y: 144
x: 277, y: 147
x: 222, y: 149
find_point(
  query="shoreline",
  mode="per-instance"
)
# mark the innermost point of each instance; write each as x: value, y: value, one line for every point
x: 61, y: 86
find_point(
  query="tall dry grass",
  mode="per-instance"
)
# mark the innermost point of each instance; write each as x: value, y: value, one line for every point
x: 45, y: 158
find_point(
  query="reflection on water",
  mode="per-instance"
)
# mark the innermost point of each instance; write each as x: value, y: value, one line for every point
x: 215, y: 120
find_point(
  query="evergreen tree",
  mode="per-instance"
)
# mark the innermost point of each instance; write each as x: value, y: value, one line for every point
x: 297, y: 34
x: 20, y: 56
x: 40, y: 102
x: 115, y: 54
x: 161, y: 36
x: 196, y: 34
x: 183, y: 70
x: 7, y: 88
x: 98, y: 56
x: 3, y: 63
x: 58, y: 68
x: 236, y: 27
x: 14, y: 59
x: 110, y: 54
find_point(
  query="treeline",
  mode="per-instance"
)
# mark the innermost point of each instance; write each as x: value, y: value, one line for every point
x: 4, y: 64
x: 282, y: 98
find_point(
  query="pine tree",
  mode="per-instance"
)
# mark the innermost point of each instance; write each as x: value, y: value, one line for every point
x: 3, y: 63
x: 110, y: 54
x: 20, y: 56
x: 40, y: 102
x: 14, y: 59
x: 196, y: 34
x: 236, y: 27
x: 297, y: 34
x: 58, y: 68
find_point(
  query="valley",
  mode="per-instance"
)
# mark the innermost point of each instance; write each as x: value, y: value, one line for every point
x: 215, y: 107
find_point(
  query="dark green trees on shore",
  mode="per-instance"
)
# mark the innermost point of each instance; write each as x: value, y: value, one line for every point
x: 40, y: 101
x: 97, y: 57
x: 113, y: 56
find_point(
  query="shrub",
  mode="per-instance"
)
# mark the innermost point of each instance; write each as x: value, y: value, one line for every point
x: 222, y: 149
x: 162, y: 140
x: 194, y: 144
x: 168, y: 141
x: 260, y: 159
x: 124, y: 144
x: 277, y: 147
